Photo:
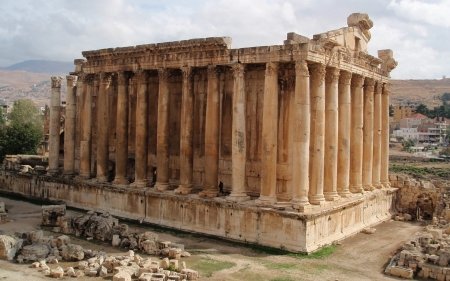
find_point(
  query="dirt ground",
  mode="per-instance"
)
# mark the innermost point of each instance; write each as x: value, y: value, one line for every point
x: 361, y: 257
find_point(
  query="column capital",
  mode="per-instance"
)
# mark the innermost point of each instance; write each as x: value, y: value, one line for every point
x: 386, y: 88
x: 187, y: 72
x: 238, y: 70
x: 379, y: 88
x: 271, y: 69
x: 301, y: 68
x: 369, y: 84
x: 105, y: 78
x: 332, y: 75
x: 357, y: 81
x: 318, y: 71
x: 56, y: 81
x: 212, y: 72
x: 122, y: 77
x: 345, y: 78
x: 164, y: 73
x: 141, y: 76
x: 71, y: 80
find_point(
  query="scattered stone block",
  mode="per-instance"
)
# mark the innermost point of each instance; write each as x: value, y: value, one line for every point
x: 398, y: 271
x: 165, y: 263
x: 122, y: 276
x: 51, y: 214
x: 116, y: 240
x: 57, y: 272
x: 35, y: 265
x: 175, y: 253
x: 149, y: 247
x: 2, y: 207
x: 72, y: 252
x: 9, y: 247
x: 192, y: 274
x: 70, y: 272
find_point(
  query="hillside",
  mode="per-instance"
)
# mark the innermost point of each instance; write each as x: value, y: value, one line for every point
x: 412, y: 92
x: 43, y: 66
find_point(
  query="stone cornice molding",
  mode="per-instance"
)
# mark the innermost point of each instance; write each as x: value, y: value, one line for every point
x: 271, y: 69
x: 345, y: 78
x: 332, y: 75
x: 318, y: 71
x: 238, y: 70
x: 212, y: 72
x: 301, y: 68
x: 164, y: 74
x: 357, y: 81
x: 56, y: 81
x: 369, y: 84
x: 71, y: 80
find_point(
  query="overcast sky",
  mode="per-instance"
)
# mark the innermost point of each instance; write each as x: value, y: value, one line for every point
x: 417, y: 31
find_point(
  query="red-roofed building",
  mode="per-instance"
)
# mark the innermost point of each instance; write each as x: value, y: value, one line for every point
x: 414, y: 120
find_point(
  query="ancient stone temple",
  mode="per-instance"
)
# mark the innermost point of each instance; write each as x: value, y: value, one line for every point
x: 297, y: 134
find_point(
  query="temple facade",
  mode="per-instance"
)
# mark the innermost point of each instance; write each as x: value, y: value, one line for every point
x: 301, y: 128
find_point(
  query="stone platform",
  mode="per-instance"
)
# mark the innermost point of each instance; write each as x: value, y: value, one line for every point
x: 273, y: 226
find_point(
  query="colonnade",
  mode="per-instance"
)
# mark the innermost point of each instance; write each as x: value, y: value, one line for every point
x: 340, y: 134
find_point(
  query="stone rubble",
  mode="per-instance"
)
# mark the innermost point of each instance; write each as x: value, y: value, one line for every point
x: 3, y: 214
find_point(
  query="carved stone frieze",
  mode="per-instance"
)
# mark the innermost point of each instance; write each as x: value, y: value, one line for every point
x: 369, y: 84
x: 141, y: 76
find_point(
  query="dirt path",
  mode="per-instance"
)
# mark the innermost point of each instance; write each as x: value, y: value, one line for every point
x: 360, y: 257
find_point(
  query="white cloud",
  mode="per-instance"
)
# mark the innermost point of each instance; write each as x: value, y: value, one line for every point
x: 415, y: 10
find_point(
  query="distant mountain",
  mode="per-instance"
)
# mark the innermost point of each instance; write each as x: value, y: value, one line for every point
x: 43, y: 66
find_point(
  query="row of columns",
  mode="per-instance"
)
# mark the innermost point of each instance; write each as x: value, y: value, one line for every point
x: 339, y: 119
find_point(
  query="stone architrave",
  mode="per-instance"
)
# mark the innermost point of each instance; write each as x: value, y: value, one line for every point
x: 141, y: 151
x: 331, y: 134
x: 212, y: 126
x: 102, y: 128
x: 121, y: 177
x: 356, y: 141
x: 377, y: 115
x: 317, y: 140
x: 55, y: 126
x: 186, y: 136
x: 369, y: 86
x: 384, y: 173
x: 86, y: 127
x: 269, y: 136
x: 69, y: 126
x: 162, y: 146
x: 238, y: 137
x: 301, y: 117
x: 344, y: 123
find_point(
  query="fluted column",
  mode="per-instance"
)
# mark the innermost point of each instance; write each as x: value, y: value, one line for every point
x: 212, y: 125
x: 369, y: 86
x: 121, y: 177
x: 269, y: 136
x: 102, y: 127
x: 344, y: 127
x: 301, y: 117
x: 69, y: 126
x: 331, y: 134
x: 86, y: 126
x: 384, y: 176
x: 141, y: 151
x: 55, y: 126
x: 186, y: 136
x: 238, y: 137
x: 316, y: 148
x: 162, y: 145
x: 377, y: 115
x: 356, y: 141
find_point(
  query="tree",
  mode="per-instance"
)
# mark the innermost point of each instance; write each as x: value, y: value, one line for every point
x: 24, y: 131
x: 407, y: 144
x: 422, y: 109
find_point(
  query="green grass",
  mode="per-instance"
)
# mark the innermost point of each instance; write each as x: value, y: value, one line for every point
x: 440, y: 172
x: 280, y: 266
x: 208, y: 266
x: 320, y: 254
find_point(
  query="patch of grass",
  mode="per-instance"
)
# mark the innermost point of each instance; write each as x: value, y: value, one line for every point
x: 320, y: 254
x: 208, y: 266
x: 440, y: 172
x: 279, y: 266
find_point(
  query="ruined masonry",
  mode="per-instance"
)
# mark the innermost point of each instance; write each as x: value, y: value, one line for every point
x: 297, y: 135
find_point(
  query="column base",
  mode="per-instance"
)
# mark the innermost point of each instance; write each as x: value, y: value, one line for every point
x: 318, y: 199
x: 386, y: 184
x: 121, y: 181
x: 356, y: 189
x: 331, y: 196
x: 84, y: 176
x: 101, y: 179
x: 240, y: 197
x: 368, y: 187
x: 377, y: 185
x: 52, y: 172
x: 209, y: 193
x: 162, y: 186
x: 184, y: 189
x: 264, y: 200
x: 301, y: 204
x: 68, y: 173
x: 345, y: 193
x: 139, y: 184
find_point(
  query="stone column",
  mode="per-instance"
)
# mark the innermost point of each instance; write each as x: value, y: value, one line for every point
x: 317, y: 144
x: 301, y: 119
x: 384, y: 176
x: 186, y: 136
x: 269, y: 136
x: 121, y: 177
x: 162, y: 145
x: 55, y: 126
x: 369, y: 86
x: 86, y: 125
x: 356, y: 141
x: 102, y: 128
x: 377, y: 115
x: 238, y: 150
x: 69, y: 126
x: 344, y: 127
x: 141, y: 151
x: 212, y: 126
x: 331, y: 134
